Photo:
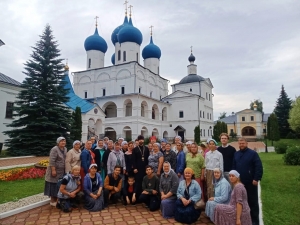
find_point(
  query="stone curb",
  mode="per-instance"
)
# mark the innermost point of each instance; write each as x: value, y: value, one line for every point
x: 23, y: 209
x: 20, y: 157
x: 16, y: 166
x: 261, y: 221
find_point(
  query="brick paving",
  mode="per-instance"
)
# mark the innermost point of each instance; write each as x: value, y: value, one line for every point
x: 113, y: 215
x: 20, y: 161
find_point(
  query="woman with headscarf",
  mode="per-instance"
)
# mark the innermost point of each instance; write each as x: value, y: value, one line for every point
x: 213, y: 159
x: 237, y: 211
x: 188, y: 193
x: 99, y: 158
x: 222, y: 193
x: 124, y: 146
x: 195, y: 161
x: 128, y: 160
x: 73, y: 157
x: 180, y: 165
x: 55, y: 170
x: 168, y: 188
x: 87, y: 158
x: 156, y: 159
x: 93, y: 190
x: 170, y: 156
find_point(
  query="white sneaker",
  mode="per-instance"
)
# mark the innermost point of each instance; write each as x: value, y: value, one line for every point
x: 53, y: 203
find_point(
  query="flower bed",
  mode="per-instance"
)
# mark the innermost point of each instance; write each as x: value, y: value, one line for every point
x: 22, y: 174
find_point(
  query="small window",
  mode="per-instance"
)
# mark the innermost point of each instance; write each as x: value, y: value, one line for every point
x: 103, y: 92
x: 85, y: 94
x: 243, y: 118
x: 119, y: 55
x: 201, y: 132
x: 191, y: 89
x: 160, y: 97
x: 124, y: 56
x: 206, y: 95
x: 150, y: 94
x: 204, y: 132
x: 200, y: 113
x: 140, y: 89
x: 157, y: 70
x: 9, y: 110
x: 207, y: 116
x: 231, y: 131
x: 137, y: 57
x: 180, y: 114
x: 210, y: 116
x: 252, y: 118
x: 209, y: 97
x: 203, y: 115
x: 90, y: 63
x: 123, y: 90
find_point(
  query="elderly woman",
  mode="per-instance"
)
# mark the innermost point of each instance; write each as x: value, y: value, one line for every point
x: 188, y: 193
x: 70, y: 186
x: 195, y: 161
x: 124, y: 146
x: 188, y: 147
x: 93, y: 190
x: 156, y: 159
x: 177, y: 139
x: 237, y: 211
x: 168, y: 188
x: 87, y: 158
x: 213, y: 159
x: 55, y: 170
x: 180, y: 165
x: 73, y: 157
x: 222, y: 191
x: 170, y: 156
x: 116, y: 157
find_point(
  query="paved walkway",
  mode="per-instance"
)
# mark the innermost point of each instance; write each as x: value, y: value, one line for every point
x: 114, y: 215
x: 20, y: 161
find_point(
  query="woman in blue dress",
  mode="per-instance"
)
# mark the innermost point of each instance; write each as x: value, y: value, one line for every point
x: 222, y: 193
x: 188, y: 193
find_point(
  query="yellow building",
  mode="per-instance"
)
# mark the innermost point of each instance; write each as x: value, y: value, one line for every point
x: 247, y: 123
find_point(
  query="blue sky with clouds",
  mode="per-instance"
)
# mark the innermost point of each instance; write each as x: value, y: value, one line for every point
x: 247, y: 48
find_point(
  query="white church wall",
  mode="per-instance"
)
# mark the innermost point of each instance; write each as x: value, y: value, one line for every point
x: 95, y: 59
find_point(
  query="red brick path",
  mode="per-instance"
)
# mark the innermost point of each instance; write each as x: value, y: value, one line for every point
x: 114, y: 215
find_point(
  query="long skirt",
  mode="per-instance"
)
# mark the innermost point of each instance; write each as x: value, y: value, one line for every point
x: 226, y: 215
x: 82, y: 175
x: 167, y: 208
x: 94, y: 205
x: 186, y: 214
x: 50, y: 189
x: 210, y: 209
x: 209, y: 183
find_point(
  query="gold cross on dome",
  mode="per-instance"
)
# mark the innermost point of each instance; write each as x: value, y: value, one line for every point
x: 96, y: 18
x: 125, y: 3
x: 151, y: 28
x: 130, y: 8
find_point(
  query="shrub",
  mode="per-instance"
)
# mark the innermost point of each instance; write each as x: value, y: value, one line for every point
x: 291, y: 135
x: 292, y: 156
x: 280, y: 147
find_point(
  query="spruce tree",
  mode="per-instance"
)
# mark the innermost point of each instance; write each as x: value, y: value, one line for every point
x: 76, y: 125
x: 41, y: 116
x: 273, y: 128
x: 197, y: 134
x: 282, y: 109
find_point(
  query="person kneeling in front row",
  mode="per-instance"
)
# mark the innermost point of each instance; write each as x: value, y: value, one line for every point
x: 92, y: 188
x: 113, y: 185
x: 129, y: 192
x: 67, y: 194
x: 150, y: 195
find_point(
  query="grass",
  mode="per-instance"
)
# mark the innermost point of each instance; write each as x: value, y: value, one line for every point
x: 287, y: 141
x: 280, y: 191
x: 15, y: 190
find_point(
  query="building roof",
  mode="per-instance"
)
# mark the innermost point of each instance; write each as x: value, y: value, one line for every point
x: 191, y: 78
x: 228, y: 119
x: 1, y: 42
x: 95, y: 42
x: 8, y: 80
x: 75, y: 100
x: 266, y: 117
x: 151, y: 50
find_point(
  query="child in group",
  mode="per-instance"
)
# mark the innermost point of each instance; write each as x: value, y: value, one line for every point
x: 129, y: 192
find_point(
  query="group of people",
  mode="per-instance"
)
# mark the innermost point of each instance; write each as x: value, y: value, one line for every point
x: 173, y: 180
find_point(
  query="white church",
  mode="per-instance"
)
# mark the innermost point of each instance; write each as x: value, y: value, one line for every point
x: 130, y: 97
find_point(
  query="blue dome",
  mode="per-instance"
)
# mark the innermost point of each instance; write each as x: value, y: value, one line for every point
x: 113, y: 59
x: 191, y: 78
x: 192, y: 58
x: 114, y: 35
x: 130, y: 34
x: 95, y: 42
x: 151, y: 51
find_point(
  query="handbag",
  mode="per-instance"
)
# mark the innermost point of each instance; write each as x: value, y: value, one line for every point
x: 200, y: 204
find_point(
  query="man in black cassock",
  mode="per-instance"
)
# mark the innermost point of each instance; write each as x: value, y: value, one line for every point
x: 140, y: 156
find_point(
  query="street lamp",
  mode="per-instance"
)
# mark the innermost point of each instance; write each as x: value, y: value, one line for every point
x: 266, y: 139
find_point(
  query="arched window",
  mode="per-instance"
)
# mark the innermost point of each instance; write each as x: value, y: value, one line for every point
x: 90, y: 63
x: 119, y: 55
x: 124, y: 56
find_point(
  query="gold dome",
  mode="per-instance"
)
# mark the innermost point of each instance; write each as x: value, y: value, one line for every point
x: 66, y: 67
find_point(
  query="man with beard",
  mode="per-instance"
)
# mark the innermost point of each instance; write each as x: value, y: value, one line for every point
x: 140, y: 156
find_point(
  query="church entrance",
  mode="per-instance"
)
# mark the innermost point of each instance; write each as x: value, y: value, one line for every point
x: 180, y: 131
x: 248, y: 131
x: 110, y: 133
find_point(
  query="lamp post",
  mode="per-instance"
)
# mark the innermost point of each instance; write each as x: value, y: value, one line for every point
x: 266, y: 139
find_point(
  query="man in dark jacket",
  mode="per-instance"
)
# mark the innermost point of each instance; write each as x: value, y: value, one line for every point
x: 247, y: 162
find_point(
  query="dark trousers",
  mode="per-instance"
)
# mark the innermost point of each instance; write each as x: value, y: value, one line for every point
x: 152, y: 201
x: 130, y: 198
x: 252, y: 193
x: 139, y: 190
x: 114, y: 197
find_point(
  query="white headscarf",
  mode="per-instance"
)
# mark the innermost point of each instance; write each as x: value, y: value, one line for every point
x: 235, y: 173
x: 167, y: 173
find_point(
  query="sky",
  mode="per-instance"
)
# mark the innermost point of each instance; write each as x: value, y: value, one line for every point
x: 248, y: 49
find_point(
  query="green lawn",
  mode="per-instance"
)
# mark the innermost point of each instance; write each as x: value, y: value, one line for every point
x: 280, y: 191
x: 15, y: 190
